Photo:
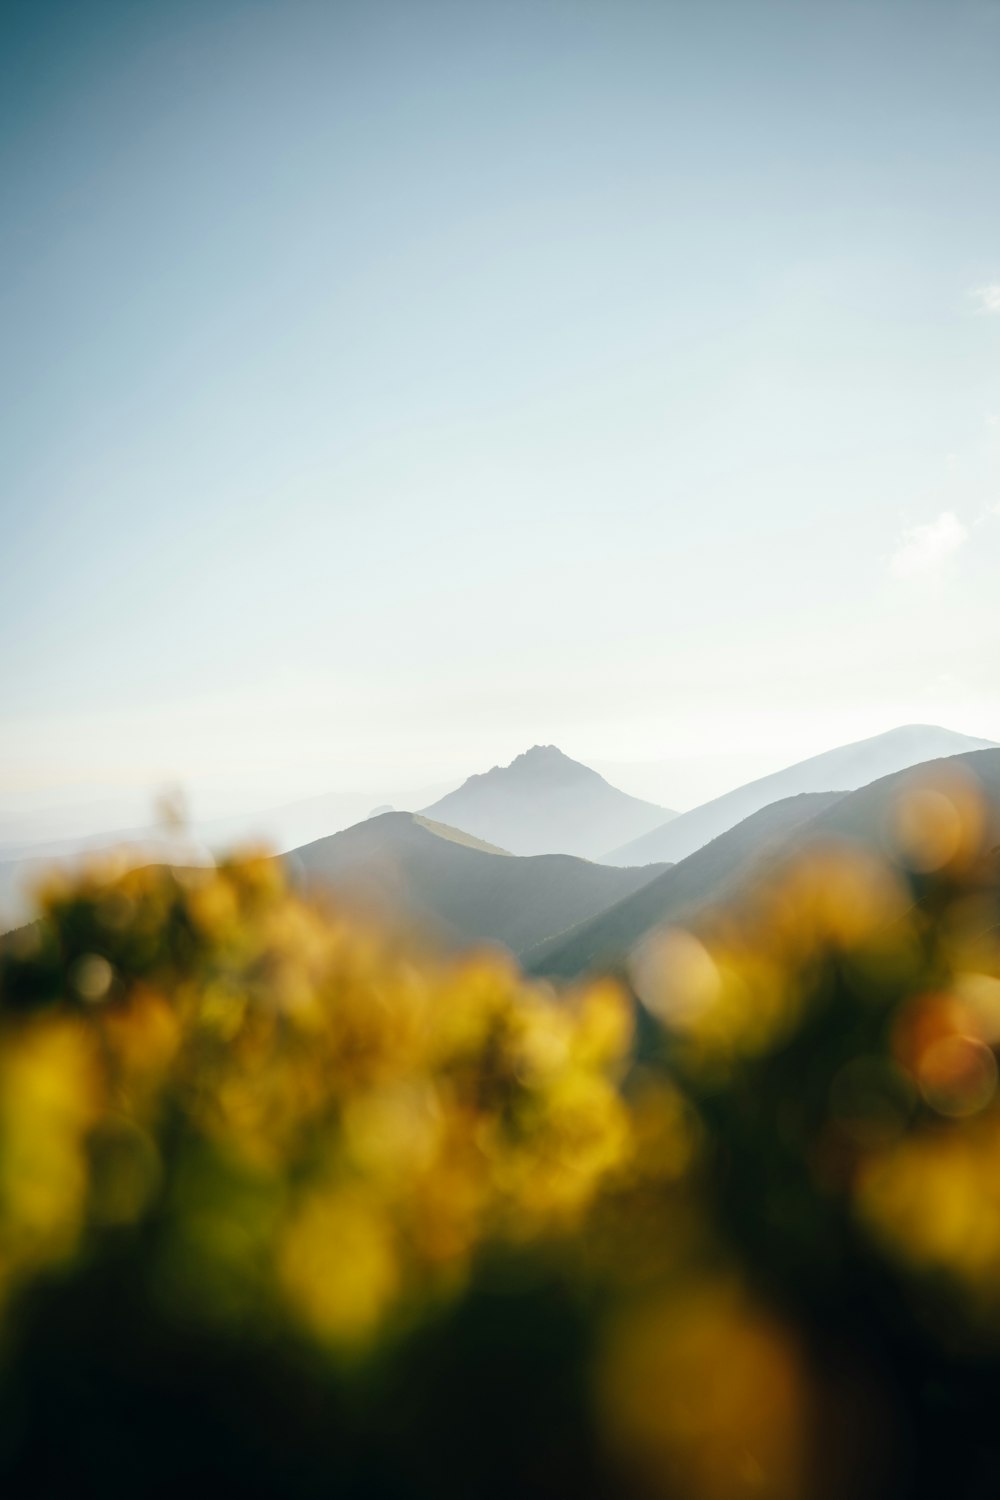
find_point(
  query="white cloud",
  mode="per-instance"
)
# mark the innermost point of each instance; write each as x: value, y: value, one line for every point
x: 988, y: 297
x: 923, y: 549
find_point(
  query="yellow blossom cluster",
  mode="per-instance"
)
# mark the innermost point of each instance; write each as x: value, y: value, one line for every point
x: 314, y: 1115
x: 735, y: 1233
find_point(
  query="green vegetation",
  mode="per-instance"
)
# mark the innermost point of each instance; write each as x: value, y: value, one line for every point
x: 456, y: 835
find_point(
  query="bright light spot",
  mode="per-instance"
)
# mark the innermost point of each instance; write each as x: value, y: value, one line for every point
x: 675, y: 977
x: 957, y: 1076
x: 92, y: 976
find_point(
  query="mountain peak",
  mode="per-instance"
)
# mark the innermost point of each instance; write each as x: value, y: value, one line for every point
x: 544, y: 803
x: 546, y: 759
x: 541, y: 765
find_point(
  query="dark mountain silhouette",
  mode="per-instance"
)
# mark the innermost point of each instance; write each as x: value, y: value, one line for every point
x: 545, y: 803
x: 845, y: 769
x: 457, y: 887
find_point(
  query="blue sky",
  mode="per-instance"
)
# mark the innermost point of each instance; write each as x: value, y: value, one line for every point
x: 384, y: 388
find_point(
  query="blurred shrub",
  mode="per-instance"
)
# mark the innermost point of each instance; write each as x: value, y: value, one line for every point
x: 286, y: 1208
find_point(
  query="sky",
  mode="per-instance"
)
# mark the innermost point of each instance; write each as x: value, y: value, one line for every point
x: 385, y: 388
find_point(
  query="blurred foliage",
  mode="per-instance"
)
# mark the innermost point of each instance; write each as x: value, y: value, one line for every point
x: 290, y: 1208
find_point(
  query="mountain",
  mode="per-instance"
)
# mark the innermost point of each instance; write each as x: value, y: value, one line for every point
x: 843, y: 769
x: 742, y: 853
x: 545, y: 803
x: 605, y: 940
x: 457, y: 887
x: 864, y: 816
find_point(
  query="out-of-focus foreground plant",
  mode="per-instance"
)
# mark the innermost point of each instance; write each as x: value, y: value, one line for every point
x: 288, y: 1208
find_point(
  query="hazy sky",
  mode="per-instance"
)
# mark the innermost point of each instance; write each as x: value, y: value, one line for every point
x: 385, y: 388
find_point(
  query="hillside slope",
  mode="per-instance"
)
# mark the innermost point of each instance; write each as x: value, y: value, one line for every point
x: 605, y: 940
x: 545, y: 803
x: 722, y: 866
x: 863, y: 816
x: 843, y: 769
x: 457, y: 887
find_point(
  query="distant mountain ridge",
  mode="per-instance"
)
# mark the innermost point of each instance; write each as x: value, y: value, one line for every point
x: 844, y: 768
x: 546, y: 803
x: 456, y: 887
x: 605, y: 941
x: 718, y: 869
